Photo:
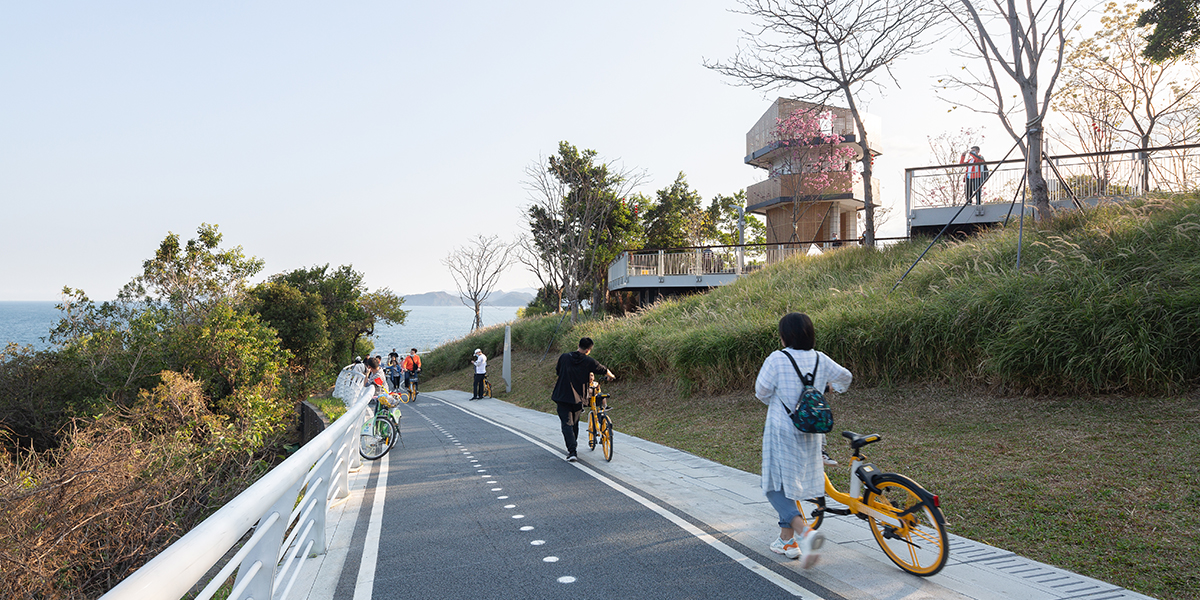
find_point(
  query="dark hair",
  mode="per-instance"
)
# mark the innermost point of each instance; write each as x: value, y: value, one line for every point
x: 586, y: 343
x: 414, y: 349
x: 373, y: 363
x: 797, y: 332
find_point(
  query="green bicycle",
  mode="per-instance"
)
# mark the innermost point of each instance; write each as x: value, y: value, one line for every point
x: 381, y: 432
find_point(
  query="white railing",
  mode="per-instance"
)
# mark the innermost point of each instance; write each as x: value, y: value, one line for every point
x: 285, y: 509
x: 1084, y: 177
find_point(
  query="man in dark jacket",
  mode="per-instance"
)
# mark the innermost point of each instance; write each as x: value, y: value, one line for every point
x: 570, y: 389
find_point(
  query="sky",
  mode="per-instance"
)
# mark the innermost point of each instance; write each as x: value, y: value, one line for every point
x: 381, y: 135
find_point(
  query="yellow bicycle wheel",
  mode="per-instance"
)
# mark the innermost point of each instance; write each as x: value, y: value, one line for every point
x: 606, y: 437
x: 913, y: 534
x: 405, y: 397
x: 593, y: 430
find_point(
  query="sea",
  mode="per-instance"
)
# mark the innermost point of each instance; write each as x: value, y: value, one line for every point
x: 425, y: 328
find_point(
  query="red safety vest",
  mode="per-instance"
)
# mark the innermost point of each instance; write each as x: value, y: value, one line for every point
x: 975, y: 171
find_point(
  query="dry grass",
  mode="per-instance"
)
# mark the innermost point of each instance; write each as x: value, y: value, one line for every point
x: 1102, y: 486
x: 76, y: 521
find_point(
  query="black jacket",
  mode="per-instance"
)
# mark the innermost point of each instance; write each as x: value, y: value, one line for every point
x: 572, y: 370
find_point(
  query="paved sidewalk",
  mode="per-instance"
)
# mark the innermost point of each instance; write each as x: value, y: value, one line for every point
x: 727, y: 502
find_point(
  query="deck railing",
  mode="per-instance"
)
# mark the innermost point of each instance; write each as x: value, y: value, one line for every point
x: 1083, y: 177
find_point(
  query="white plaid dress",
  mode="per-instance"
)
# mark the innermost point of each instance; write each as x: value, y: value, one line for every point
x: 791, y: 460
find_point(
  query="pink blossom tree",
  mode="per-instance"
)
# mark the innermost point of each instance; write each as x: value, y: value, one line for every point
x: 816, y: 161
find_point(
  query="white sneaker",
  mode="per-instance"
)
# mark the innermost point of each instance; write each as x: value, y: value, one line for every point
x: 789, y: 548
x: 828, y: 460
x: 810, y: 548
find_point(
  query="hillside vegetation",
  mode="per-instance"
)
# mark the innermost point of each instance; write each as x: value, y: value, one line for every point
x: 1053, y: 407
x: 1103, y: 301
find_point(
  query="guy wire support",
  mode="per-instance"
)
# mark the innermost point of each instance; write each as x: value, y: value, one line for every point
x: 951, y: 222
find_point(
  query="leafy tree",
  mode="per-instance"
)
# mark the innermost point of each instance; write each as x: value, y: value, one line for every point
x: 675, y: 220
x: 191, y: 279
x: 299, y: 319
x: 339, y: 292
x: 722, y: 216
x: 1176, y: 29
x: 380, y: 307
x: 574, y: 197
x: 228, y: 351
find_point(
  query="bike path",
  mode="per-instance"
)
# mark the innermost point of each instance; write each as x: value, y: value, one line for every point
x: 655, y: 522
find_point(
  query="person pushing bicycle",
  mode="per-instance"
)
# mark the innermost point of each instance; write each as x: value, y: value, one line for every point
x: 570, y: 390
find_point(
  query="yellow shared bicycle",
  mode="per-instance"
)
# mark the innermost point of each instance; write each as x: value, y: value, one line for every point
x: 600, y: 425
x: 905, y: 519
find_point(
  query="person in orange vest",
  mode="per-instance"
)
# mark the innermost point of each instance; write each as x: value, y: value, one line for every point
x: 976, y: 174
x: 412, y: 366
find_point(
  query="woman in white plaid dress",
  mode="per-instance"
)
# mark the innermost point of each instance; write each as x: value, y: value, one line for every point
x: 792, y: 468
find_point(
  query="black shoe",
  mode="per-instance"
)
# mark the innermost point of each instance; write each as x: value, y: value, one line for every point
x: 572, y: 457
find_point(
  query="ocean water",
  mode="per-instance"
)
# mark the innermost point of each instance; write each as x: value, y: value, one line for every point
x: 426, y: 328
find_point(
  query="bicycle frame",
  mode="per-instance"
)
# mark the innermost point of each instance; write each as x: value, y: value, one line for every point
x: 904, y: 517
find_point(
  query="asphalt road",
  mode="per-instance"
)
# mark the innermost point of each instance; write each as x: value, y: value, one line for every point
x: 472, y: 509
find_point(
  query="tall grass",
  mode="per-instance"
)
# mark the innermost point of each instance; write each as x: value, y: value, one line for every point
x: 1106, y: 300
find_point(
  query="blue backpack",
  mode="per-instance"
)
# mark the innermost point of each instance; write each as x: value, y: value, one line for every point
x: 812, y: 414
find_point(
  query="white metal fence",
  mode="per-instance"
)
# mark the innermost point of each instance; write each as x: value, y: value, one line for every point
x: 285, y: 510
x: 1090, y: 176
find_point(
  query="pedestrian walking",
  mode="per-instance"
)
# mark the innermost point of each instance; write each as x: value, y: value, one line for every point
x: 792, y: 466
x: 572, y: 370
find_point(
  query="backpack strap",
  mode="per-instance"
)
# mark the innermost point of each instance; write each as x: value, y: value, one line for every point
x: 809, y: 380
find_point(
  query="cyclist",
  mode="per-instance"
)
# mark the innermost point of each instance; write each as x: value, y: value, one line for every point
x: 569, y: 391
x: 412, y: 366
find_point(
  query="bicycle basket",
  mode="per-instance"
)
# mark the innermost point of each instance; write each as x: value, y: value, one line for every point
x: 386, y: 400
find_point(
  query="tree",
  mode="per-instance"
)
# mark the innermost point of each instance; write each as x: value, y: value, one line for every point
x: 380, y: 307
x: 831, y: 48
x: 298, y: 318
x: 722, y: 217
x: 191, y: 280
x: 1035, y: 38
x: 1176, y: 28
x: 675, y: 220
x: 573, y: 198
x: 814, y: 158
x: 346, y: 319
x: 1125, y: 93
x: 476, y: 267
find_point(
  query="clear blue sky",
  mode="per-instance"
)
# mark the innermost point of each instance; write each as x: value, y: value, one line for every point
x: 377, y: 134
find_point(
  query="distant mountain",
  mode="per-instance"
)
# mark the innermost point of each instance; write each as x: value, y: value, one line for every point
x: 432, y: 299
x: 509, y: 299
x: 447, y: 299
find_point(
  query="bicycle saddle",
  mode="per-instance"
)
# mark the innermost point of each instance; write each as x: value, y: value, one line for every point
x: 858, y: 440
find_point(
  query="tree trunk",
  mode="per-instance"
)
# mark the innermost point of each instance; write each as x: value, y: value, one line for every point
x: 1038, y: 190
x: 868, y: 233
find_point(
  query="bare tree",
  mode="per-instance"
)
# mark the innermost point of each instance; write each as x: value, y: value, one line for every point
x: 573, y: 197
x: 1108, y: 70
x: 548, y: 272
x: 476, y: 266
x: 1030, y: 54
x: 828, y: 49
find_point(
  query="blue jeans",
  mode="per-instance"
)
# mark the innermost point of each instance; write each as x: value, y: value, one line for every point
x: 785, y: 507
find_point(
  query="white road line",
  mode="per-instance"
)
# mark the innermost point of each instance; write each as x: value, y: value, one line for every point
x: 366, y: 569
x: 724, y: 548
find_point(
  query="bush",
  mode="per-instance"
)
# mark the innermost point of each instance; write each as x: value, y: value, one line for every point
x: 75, y: 521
